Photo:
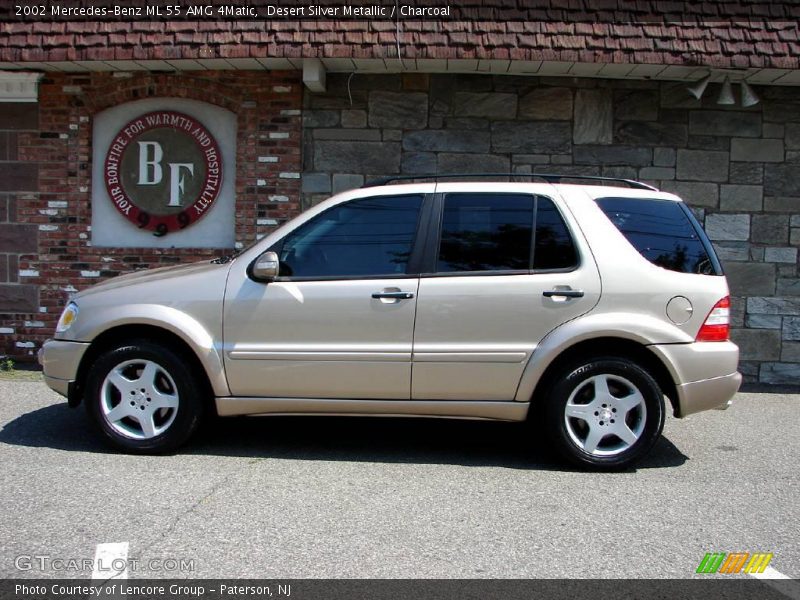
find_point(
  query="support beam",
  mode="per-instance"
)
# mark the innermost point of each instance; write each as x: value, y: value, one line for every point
x: 314, y: 74
x: 19, y: 87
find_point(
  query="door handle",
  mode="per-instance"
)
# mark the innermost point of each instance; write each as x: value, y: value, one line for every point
x: 564, y: 293
x: 393, y: 295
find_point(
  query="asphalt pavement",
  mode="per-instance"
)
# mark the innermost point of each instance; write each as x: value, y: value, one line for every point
x: 339, y: 497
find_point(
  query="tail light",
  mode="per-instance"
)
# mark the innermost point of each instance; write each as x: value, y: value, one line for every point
x: 717, y: 325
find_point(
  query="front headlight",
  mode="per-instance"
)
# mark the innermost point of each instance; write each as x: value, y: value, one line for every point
x: 67, y: 317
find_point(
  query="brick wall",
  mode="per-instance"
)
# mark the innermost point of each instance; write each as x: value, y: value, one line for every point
x: 45, y: 179
x: 736, y: 167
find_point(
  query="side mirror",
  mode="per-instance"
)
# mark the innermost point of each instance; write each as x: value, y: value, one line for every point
x: 266, y: 267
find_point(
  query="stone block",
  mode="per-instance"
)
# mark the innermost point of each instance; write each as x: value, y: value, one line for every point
x: 728, y: 227
x: 792, y: 136
x: 547, y: 104
x: 764, y: 321
x: 780, y: 255
x: 392, y: 135
x: 788, y: 286
x: 320, y: 118
x: 646, y: 133
x: 791, y: 328
x: 732, y: 251
x: 664, y: 157
x: 790, y: 352
x: 364, y: 157
x: 594, y: 117
x: 737, y: 311
x: 750, y: 278
x: 18, y: 299
x: 353, y: 135
x: 770, y: 229
x: 354, y: 118
x: 781, y: 203
x: 530, y: 159
x: 343, y: 182
x: 746, y: 173
x: 447, y: 140
x: 490, y: 105
x: 741, y: 197
x: 703, y: 165
x: 725, y: 123
x: 782, y: 112
x: 400, y: 110
x: 529, y: 137
x: 708, y: 142
x: 755, y: 150
x: 472, y: 163
x: 629, y: 156
x: 776, y: 373
x: 466, y: 123
x: 694, y: 193
x: 782, y: 180
x: 316, y: 183
x: 636, y: 105
x: 773, y: 130
x: 773, y: 306
x: 757, y: 344
x: 418, y: 163
x: 657, y: 173
x: 620, y: 172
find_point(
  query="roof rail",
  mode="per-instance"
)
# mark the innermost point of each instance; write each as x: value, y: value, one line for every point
x: 548, y: 177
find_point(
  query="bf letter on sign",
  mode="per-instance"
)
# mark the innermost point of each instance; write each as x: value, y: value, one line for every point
x: 150, y: 172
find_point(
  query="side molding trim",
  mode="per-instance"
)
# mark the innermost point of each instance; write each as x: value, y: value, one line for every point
x: 466, y: 409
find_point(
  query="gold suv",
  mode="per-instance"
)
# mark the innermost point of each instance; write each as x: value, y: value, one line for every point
x: 587, y: 309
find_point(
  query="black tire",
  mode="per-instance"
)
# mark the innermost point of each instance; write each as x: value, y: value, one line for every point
x: 573, y: 437
x: 172, y: 382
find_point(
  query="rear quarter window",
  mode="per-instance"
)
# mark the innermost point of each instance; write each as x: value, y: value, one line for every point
x: 664, y: 232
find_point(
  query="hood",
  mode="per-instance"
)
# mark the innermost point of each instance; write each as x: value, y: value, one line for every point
x: 153, y: 275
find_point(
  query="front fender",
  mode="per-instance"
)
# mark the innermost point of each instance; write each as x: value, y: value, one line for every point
x: 643, y: 329
x: 199, y: 337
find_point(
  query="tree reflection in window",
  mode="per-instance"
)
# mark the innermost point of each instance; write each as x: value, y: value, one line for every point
x: 486, y: 232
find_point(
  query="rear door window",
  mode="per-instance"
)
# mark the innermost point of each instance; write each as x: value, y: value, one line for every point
x: 664, y: 232
x: 486, y: 232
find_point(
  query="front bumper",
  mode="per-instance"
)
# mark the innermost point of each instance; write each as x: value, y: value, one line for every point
x: 705, y: 374
x: 60, y: 360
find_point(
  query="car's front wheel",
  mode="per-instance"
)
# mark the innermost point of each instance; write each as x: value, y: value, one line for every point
x: 604, y: 413
x: 143, y: 397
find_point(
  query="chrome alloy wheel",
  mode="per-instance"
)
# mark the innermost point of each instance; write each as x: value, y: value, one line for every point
x: 605, y: 415
x: 139, y: 399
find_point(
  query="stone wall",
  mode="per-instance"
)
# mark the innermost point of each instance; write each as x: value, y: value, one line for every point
x: 738, y: 168
x: 46, y: 252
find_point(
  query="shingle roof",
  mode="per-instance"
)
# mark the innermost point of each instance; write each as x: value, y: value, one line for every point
x: 752, y: 33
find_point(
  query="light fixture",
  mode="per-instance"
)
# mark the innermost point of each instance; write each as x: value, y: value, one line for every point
x: 726, y: 94
x: 699, y: 88
x: 749, y: 97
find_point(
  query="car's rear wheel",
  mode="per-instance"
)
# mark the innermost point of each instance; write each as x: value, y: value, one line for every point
x: 143, y: 397
x: 604, y: 413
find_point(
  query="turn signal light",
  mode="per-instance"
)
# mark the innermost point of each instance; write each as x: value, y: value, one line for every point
x: 717, y: 326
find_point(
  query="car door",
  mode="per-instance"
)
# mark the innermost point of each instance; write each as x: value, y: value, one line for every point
x: 505, y: 270
x: 338, y: 321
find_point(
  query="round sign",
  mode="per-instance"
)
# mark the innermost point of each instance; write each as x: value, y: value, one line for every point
x: 163, y: 171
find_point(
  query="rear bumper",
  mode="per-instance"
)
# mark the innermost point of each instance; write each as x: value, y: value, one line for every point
x: 705, y: 374
x: 60, y: 360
